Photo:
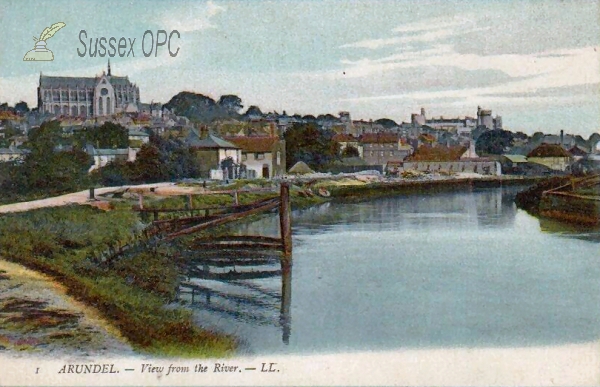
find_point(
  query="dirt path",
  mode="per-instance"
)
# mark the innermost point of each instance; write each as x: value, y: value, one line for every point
x: 81, y: 197
x: 38, y: 317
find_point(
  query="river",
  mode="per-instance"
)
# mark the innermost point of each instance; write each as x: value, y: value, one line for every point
x: 460, y: 269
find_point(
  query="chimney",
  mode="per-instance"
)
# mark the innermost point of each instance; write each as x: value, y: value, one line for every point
x: 203, y: 132
x: 562, y: 137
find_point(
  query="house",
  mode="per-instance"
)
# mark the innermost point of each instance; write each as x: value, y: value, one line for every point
x: 444, y: 159
x: 513, y: 164
x: 138, y: 137
x: 347, y: 140
x: 551, y: 155
x: 380, y: 148
x: 577, y: 153
x: 12, y: 154
x: 213, y: 151
x: 363, y: 127
x: 513, y: 160
x: 102, y: 157
x: 264, y: 157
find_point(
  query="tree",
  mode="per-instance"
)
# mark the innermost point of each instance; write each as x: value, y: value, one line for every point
x: 114, y: 173
x: 109, y: 135
x: 253, y: 111
x: 593, y: 141
x: 196, y: 107
x: 148, y: 167
x: 521, y: 136
x: 179, y: 159
x: 537, y: 137
x: 386, y: 123
x: 231, y: 103
x: 350, y: 151
x: 49, y: 171
x: 42, y: 140
x: 494, y: 142
x: 5, y: 108
x: 478, y: 131
x: 21, y: 108
x: 305, y: 142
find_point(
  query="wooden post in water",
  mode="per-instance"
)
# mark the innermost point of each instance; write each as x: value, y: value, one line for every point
x: 285, y: 220
x: 285, y: 317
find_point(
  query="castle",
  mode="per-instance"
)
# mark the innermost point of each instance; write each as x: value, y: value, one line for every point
x: 102, y: 95
x: 460, y: 125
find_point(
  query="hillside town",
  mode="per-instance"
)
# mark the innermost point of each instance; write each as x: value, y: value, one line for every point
x: 224, y: 141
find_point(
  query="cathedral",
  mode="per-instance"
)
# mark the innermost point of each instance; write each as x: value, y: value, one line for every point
x: 87, y: 97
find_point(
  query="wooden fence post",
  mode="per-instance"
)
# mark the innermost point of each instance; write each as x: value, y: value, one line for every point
x: 285, y: 219
x: 92, y: 196
x: 141, y: 200
x: 191, y: 205
x: 236, y: 198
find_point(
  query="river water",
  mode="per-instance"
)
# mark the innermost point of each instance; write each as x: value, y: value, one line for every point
x: 461, y: 269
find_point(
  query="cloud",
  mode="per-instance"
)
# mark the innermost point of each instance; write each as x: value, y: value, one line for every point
x: 429, y: 30
x: 483, y: 77
x: 192, y: 18
x: 433, y: 24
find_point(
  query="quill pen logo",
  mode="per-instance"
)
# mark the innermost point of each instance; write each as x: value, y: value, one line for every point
x: 40, y: 52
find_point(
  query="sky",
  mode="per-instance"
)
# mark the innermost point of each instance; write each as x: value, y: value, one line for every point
x: 536, y: 63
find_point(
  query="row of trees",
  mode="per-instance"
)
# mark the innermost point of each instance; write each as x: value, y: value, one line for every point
x: 46, y: 170
x: 204, y: 109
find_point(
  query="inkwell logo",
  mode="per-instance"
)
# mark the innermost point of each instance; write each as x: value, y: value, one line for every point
x: 40, y: 52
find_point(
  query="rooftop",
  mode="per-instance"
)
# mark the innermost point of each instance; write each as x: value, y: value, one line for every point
x: 210, y: 142
x: 437, y: 153
x: 259, y: 144
x: 342, y: 137
x: 379, y: 138
x: 549, y: 150
x: 75, y: 82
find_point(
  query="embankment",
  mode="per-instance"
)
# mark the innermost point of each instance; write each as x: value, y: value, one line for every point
x: 423, y: 187
x: 571, y: 208
x: 543, y: 199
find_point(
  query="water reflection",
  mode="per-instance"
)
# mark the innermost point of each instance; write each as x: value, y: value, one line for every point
x: 463, y: 269
x: 569, y: 230
x: 484, y: 208
x: 253, y: 287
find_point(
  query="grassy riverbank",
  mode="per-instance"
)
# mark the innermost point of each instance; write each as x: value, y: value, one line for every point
x: 131, y: 295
